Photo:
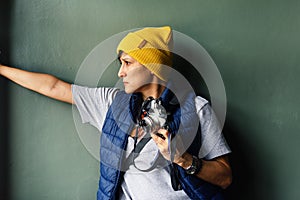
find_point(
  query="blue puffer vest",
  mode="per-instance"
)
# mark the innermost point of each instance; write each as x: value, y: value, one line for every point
x: 119, y: 123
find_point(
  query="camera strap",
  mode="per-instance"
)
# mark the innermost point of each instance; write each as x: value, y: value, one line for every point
x: 138, y: 148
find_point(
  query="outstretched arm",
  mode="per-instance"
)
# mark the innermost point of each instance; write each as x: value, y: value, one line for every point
x: 45, y: 84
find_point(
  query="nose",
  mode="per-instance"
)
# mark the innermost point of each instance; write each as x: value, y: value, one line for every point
x: 122, y: 72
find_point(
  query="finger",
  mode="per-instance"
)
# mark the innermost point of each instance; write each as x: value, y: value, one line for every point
x: 160, y: 135
x: 158, y: 139
x: 163, y: 133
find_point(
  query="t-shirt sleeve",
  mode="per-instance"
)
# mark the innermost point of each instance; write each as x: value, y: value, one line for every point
x: 213, y: 142
x: 93, y: 103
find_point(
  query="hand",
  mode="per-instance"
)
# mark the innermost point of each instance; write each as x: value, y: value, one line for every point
x: 160, y: 137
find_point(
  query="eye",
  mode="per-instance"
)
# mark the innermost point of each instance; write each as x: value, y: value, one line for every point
x: 125, y: 61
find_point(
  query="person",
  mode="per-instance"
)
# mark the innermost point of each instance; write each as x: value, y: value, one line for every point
x: 149, y: 113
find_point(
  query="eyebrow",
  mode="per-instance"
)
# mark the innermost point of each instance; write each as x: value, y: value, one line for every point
x: 125, y: 58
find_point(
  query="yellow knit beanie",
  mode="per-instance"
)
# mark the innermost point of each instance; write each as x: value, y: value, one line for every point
x: 151, y: 47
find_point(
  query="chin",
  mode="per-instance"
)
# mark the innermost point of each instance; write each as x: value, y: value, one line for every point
x: 129, y: 91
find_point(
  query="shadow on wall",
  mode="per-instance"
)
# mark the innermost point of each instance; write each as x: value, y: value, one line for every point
x: 250, y: 179
x: 5, y: 7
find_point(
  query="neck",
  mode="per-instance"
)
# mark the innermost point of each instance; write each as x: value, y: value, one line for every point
x: 154, y: 90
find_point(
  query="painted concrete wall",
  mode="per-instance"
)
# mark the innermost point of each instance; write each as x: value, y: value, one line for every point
x: 255, y: 45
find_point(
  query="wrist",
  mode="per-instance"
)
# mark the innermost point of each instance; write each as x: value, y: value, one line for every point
x: 195, y: 167
x: 184, y: 161
x: 1, y: 67
x: 191, y: 164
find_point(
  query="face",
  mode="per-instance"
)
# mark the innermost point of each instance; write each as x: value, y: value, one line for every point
x: 136, y: 77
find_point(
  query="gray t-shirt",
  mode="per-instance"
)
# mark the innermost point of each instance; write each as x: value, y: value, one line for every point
x: 93, y: 104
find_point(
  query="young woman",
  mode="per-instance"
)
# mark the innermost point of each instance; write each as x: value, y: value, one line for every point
x: 147, y: 108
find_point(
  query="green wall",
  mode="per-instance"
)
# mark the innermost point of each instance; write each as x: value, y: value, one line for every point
x: 255, y: 45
